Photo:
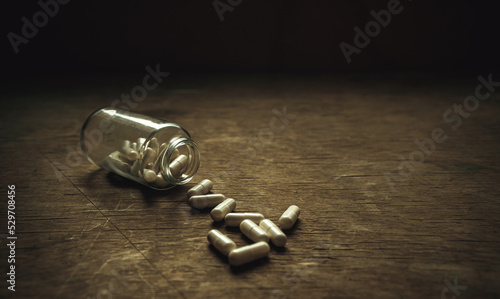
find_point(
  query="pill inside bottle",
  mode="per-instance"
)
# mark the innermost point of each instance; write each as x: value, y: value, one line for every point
x: 151, y: 151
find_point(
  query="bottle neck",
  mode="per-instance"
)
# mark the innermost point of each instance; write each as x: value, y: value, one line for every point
x: 180, y: 161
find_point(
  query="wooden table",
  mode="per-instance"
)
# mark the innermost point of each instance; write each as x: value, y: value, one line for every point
x: 370, y: 225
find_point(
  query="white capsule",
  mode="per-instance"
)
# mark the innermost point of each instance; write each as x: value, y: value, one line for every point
x: 287, y: 220
x: 221, y: 210
x: 248, y: 253
x: 155, y: 165
x: 205, y: 201
x: 277, y: 236
x: 253, y: 231
x: 160, y: 181
x: 149, y: 156
x: 134, y: 170
x: 133, y: 146
x: 139, y: 143
x: 128, y: 152
x: 202, y: 188
x: 234, y: 219
x: 221, y: 241
x: 177, y: 165
x: 149, y: 175
x: 116, y: 161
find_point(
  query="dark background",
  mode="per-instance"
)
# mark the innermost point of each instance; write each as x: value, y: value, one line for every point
x: 257, y: 36
x: 369, y: 228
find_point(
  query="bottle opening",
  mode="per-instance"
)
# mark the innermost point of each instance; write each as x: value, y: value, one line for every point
x: 180, y: 161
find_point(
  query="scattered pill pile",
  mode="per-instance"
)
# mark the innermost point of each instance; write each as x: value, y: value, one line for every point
x: 253, y: 225
x: 143, y: 160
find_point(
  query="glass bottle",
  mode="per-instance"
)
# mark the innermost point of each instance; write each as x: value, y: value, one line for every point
x: 153, y: 152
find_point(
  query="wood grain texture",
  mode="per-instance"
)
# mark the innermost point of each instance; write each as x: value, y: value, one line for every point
x: 85, y: 233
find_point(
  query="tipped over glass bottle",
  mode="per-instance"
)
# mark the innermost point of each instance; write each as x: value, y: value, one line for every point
x: 153, y: 152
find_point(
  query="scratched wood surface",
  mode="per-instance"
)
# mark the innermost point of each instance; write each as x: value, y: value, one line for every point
x: 367, y: 229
